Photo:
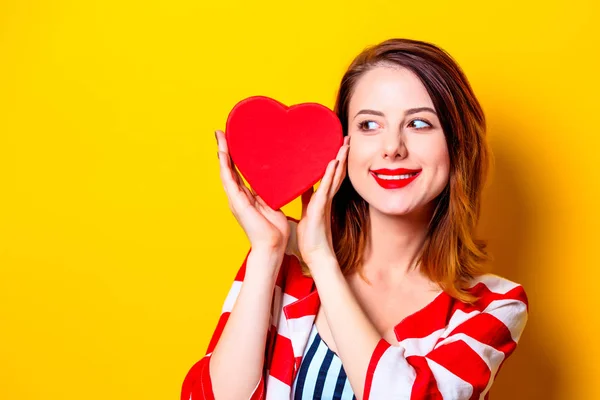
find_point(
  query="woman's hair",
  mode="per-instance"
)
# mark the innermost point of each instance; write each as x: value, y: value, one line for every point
x: 450, y: 256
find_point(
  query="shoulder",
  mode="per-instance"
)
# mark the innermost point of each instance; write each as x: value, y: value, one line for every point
x: 502, y: 304
x: 492, y: 287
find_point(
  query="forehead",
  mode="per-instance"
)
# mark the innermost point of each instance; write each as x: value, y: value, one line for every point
x: 389, y: 89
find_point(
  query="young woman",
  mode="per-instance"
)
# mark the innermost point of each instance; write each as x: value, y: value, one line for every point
x: 380, y: 290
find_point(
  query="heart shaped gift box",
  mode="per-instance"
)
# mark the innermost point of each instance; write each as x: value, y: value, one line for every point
x: 282, y: 151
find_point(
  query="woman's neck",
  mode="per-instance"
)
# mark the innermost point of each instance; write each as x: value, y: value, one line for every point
x: 393, y: 244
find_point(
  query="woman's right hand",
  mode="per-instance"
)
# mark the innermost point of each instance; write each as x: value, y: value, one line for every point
x: 265, y: 228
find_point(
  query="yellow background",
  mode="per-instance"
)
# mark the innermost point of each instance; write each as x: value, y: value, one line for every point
x: 116, y: 244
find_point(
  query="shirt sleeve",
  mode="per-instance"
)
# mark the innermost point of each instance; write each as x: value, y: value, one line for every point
x: 197, y: 384
x: 465, y: 359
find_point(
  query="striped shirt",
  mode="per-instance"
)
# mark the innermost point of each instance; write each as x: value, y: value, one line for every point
x: 321, y: 375
x: 447, y: 350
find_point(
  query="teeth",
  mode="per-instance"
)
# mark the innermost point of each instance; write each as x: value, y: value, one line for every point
x: 395, y: 177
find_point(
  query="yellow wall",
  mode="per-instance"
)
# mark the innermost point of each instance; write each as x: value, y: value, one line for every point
x: 116, y: 243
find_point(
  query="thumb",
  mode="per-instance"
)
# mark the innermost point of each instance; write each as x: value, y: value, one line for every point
x: 306, y: 199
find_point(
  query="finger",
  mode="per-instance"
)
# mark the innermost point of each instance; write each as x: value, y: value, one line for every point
x: 225, y: 170
x: 229, y: 184
x: 340, y: 171
x: 257, y: 198
x: 236, y: 173
x: 247, y: 191
x: 222, y: 141
x: 237, y: 193
x: 230, y: 173
x: 240, y: 181
x: 224, y: 148
x: 306, y: 199
x: 263, y: 203
x: 323, y: 190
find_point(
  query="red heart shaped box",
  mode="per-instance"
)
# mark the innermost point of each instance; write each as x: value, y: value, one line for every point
x: 282, y: 151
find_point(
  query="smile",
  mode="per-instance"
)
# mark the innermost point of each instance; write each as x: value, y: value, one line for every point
x: 395, y: 177
x: 394, y: 181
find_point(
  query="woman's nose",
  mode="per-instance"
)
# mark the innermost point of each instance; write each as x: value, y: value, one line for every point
x: 394, y: 146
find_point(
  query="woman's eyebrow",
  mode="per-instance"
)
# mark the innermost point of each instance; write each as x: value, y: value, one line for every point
x: 407, y: 112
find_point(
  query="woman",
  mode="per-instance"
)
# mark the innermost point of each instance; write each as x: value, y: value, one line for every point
x: 379, y: 291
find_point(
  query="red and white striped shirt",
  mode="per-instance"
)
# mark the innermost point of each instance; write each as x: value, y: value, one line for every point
x: 447, y: 350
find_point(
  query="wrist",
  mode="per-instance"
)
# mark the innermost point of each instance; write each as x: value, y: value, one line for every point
x: 325, y: 263
x: 267, y: 260
x: 267, y: 251
x: 271, y: 246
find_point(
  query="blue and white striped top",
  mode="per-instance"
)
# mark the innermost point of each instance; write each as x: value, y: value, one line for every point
x: 321, y: 375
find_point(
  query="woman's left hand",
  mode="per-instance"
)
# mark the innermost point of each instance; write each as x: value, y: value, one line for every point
x: 314, y: 229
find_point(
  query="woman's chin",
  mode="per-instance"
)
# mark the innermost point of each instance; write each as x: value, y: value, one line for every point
x: 398, y: 208
x: 392, y: 210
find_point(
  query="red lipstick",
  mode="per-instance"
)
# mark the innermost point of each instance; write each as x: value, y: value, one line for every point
x: 394, y: 183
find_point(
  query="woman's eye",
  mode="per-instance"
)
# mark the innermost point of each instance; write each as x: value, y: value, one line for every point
x: 366, y: 125
x: 422, y: 124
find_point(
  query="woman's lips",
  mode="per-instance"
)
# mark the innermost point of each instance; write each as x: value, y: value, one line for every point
x: 395, y: 183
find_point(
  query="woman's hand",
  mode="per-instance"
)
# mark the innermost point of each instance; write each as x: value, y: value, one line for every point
x: 314, y: 229
x: 265, y: 228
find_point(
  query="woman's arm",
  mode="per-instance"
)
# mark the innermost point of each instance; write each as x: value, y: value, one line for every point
x: 237, y: 361
x: 239, y: 342
x: 234, y: 364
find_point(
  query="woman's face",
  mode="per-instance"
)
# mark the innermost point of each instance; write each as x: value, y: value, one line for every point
x: 392, y: 126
